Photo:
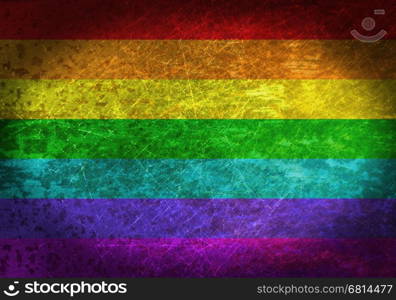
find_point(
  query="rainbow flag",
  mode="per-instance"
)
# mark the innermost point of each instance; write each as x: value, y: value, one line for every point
x: 197, y: 138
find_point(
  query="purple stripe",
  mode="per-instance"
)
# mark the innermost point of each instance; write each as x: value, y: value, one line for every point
x: 197, y: 218
x: 197, y: 257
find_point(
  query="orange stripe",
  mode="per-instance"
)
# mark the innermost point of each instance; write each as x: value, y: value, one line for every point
x: 187, y: 59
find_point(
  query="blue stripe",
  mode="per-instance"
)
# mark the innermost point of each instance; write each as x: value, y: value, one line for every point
x: 217, y: 178
x: 197, y: 218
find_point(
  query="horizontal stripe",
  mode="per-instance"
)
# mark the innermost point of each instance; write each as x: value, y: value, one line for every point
x: 177, y: 19
x: 198, y: 257
x: 197, y: 218
x: 189, y: 59
x: 169, y: 178
x: 198, y: 139
x: 197, y: 99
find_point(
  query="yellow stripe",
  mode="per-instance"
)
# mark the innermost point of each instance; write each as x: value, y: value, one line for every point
x: 197, y: 99
x: 197, y: 59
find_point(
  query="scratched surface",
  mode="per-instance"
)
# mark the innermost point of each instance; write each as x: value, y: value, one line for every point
x: 197, y: 218
x: 193, y: 19
x: 197, y: 99
x: 150, y: 198
x: 197, y: 257
x: 198, y: 139
x: 198, y: 178
x: 193, y: 59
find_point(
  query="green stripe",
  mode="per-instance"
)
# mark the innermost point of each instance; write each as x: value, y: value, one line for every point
x: 198, y: 139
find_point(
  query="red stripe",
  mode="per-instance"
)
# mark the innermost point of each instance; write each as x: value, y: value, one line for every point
x: 181, y: 19
x: 197, y: 257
